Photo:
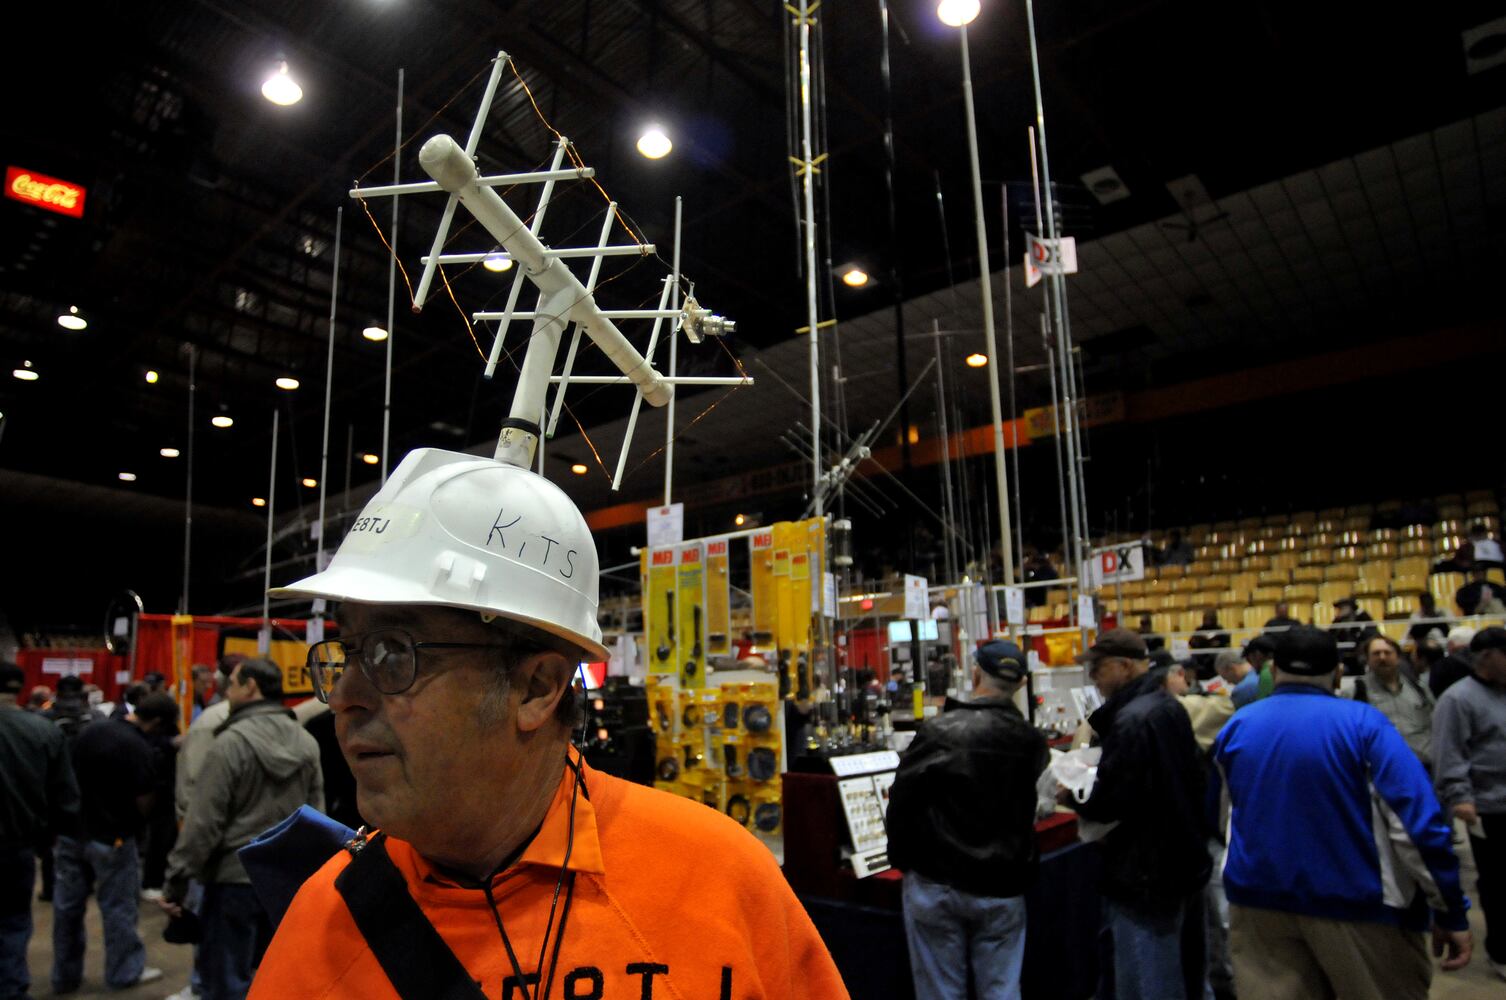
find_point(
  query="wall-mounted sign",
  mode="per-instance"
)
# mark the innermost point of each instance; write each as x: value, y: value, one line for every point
x: 44, y: 192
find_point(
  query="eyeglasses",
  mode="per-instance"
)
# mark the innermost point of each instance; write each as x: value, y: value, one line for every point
x: 388, y: 657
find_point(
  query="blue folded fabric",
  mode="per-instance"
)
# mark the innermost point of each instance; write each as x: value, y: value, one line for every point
x: 282, y: 858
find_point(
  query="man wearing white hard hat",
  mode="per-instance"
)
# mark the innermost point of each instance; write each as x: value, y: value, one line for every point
x: 502, y: 865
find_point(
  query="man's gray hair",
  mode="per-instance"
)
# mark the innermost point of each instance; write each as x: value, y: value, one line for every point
x: 1459, y: 637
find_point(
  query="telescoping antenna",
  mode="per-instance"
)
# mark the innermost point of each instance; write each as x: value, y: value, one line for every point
x: 562, y: 298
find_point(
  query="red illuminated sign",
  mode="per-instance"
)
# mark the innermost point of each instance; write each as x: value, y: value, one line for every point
x: 44, y: 192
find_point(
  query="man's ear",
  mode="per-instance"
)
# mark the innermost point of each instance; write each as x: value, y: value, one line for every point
x: 541, y: 680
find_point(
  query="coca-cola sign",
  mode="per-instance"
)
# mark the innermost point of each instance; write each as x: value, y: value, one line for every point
x: 44, y: 192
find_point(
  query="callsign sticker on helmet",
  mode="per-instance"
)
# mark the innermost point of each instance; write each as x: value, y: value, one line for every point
x: 455, y: 530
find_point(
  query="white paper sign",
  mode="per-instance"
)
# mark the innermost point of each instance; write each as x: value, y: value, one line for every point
x: 829, y: 594
x: 1048, y: 257
x: 916, y: 603
x: 1085, y: 616
x: 263, y: 641
x: 1014, y: 605
x: 314, y: 631
x: 1119, y: 564
x: 666, y: 525
x: 66, y: 666
x: 121, y: 627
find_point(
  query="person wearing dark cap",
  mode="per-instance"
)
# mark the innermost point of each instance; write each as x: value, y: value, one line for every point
x: 1469, y: 768
x: 1351, y: 636
x: 962, y: 829
x: 1337, y: 846
x: 113, y: 761
x: 1155, y: 860
x: 38, y: 796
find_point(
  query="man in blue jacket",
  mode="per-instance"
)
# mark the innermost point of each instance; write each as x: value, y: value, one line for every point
x: 1337, y: 846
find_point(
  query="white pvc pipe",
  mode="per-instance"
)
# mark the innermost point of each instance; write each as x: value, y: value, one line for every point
x: 447, y: 163
x: 329, y: 387
x: 668, y: 380
x: 632, y: 424
x: 608, y: 313
x: 490, y: 180
x: 621, y: 250
x: 564, y: 383
x: 674, y: 357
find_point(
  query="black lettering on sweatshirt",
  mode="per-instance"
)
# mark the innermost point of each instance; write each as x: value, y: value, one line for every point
x: 648, y: 970
x: 586, y: 973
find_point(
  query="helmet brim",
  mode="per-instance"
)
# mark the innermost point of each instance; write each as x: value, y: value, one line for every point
x: 349, y: 583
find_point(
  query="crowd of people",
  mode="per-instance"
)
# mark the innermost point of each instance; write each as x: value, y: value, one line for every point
x: 116, y: 803
x: 1269, y: 825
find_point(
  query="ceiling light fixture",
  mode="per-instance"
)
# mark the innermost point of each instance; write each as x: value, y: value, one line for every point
x: 25, y: 374
x: 127, y: 477
x: 977, y: 360
x: 287, y: 383
x: 854, y: 277
x: 152, y: 377
x: 740, y: 520
x: 956, y: 13
x: 169, y: 453
x: 579, y: 469
x: 222, y: 421
x: 374, y: 333
x: 371, y: 459
x: 654, y: 144
x: 258, y: 502
x: 497, y: 263
x: 71, y: 320
x: 310, y: 483
x: 280, y: 88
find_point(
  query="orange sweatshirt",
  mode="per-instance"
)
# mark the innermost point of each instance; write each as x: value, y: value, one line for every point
x: 673, y: 901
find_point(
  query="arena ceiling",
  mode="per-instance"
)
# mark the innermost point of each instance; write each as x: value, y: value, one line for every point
x: 1290, y: 176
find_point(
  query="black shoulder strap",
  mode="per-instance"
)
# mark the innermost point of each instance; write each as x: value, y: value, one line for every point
x: 410, y: 951
x: 1360, y: 694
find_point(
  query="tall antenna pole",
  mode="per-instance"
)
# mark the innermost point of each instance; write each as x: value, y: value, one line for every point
x: 1001, y: 486
x: 188, y: 489
x: 1054, y: 283
x: 808, y: 190
x: 266, y: 587
x: 397, y: 159
x: 674, y: 357
x: 329, y: 384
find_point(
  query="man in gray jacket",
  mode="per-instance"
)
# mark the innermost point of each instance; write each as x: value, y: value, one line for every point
x: 1469, y: 753
x: 261, y: 767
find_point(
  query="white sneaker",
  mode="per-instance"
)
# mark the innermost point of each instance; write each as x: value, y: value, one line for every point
x: 186, y: 993
x: 151, y: 895
x: 148, y: 975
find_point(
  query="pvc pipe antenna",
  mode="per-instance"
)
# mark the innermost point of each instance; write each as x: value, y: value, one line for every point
x: 443, y: 233
x: 1014, y: 452
x: 674, y: 342
x: 564, y: 382
x: 517, y: 279
x: 397, y: 158
x: 329, y: 386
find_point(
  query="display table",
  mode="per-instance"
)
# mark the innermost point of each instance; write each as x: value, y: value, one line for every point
x: 867, y: 939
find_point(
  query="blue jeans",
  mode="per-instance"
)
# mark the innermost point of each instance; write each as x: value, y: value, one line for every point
x: 236, y: 932
x: 114, y: 869
x: 18, y: 872
x: 1151, y: 957
x: 950, y: 930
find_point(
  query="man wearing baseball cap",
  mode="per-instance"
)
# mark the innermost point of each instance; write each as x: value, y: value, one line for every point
x: 1155, y: 860
x: 1469, y: 767
x: 1337, y: 846
x: 962, y: 829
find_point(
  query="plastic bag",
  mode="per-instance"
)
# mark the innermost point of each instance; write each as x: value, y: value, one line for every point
x: 1077, y: 771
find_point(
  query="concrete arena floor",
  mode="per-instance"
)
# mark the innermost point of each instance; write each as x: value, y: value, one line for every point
x: 1476, y: 982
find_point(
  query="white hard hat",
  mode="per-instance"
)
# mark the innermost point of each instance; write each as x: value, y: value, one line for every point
x: 465, y: 532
